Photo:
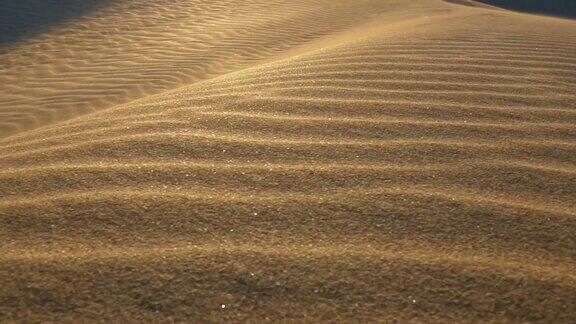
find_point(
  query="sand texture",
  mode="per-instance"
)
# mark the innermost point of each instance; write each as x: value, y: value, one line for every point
x: 306, y: 160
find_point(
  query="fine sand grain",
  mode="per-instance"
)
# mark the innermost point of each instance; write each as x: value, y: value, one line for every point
x: 307, y: 160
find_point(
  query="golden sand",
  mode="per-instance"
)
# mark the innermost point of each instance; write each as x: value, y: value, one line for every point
x: 307, y: 160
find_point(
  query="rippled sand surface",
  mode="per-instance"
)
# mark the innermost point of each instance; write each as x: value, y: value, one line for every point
x: 306, y: 160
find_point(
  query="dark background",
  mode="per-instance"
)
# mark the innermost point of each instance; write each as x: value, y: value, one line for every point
x: 565, y: 8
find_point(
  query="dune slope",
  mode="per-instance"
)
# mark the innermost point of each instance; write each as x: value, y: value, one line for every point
x: 379, y: 160
x: 126, y: 51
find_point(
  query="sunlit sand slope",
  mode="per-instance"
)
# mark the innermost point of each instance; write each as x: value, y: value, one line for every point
x: 419, y: 165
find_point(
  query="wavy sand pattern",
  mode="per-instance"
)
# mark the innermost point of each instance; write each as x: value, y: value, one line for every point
x: 304, y: 160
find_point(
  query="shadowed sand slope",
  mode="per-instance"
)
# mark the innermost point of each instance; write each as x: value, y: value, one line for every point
x: 25, y: 18
x: 385, y: 160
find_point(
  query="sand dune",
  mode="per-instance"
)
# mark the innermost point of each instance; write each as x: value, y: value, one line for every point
x: 410, y: 161
x: 127, y: 51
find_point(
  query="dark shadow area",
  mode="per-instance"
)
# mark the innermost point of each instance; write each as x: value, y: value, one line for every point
x: 23, y: 18
x: 563, y: 8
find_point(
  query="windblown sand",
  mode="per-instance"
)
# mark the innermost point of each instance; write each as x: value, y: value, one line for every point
x: 308, y: 160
